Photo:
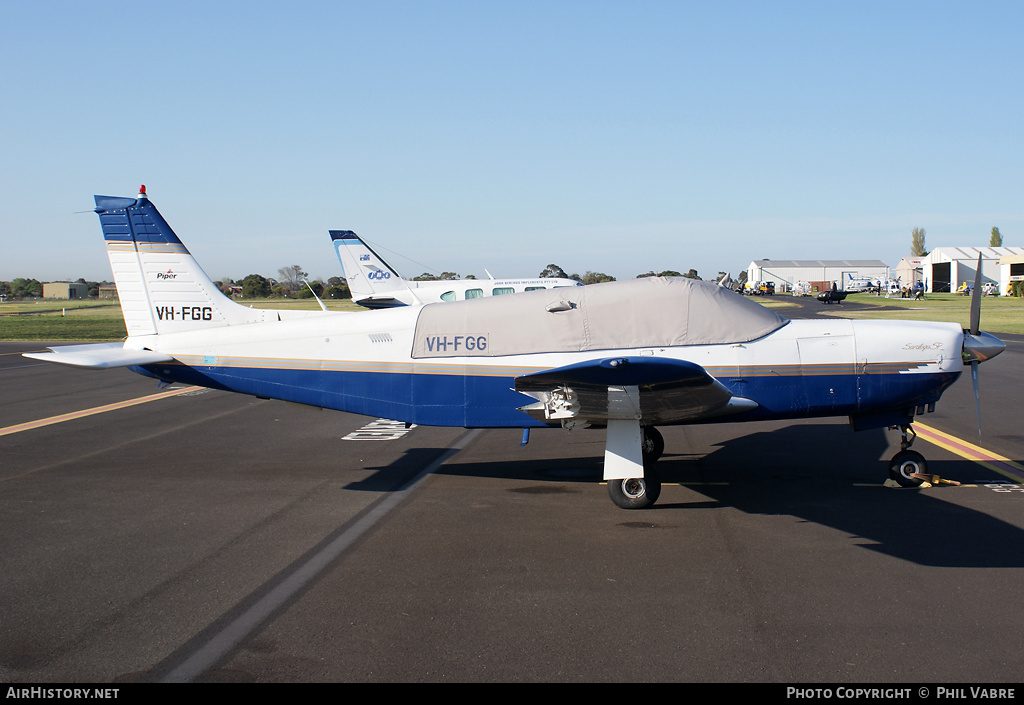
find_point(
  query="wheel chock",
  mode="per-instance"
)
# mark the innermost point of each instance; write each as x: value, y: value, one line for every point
x: 926, y: 481
x: 933, y: 479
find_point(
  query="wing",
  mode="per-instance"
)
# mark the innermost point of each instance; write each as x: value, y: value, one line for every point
x: 99, y: 356
x: 652, y: 389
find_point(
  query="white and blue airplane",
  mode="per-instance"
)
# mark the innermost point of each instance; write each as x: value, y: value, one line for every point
x: 375, y: 284
x: 853, y: 285
x: 597, y: 356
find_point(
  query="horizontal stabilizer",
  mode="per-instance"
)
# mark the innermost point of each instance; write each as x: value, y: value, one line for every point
x: 381, y: 302
x: 99, y: 356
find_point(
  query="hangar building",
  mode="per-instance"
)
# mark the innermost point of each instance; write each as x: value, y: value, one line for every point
x: 909, y: 271
x: 65, y: 290
x: 945, y: 268
x: 820, y: 273
x: 1011, y: 270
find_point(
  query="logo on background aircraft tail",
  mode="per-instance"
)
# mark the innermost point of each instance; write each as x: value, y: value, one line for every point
x: 161, y: 287
x: 372, y: 281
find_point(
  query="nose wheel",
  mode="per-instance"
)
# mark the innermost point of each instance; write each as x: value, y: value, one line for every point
x: 904, y: 465
x: 907, y: 463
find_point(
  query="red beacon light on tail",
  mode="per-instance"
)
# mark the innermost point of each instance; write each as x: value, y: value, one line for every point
x: 142, y: 191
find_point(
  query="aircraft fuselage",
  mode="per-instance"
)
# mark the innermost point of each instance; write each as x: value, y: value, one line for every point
x: 362, y: 364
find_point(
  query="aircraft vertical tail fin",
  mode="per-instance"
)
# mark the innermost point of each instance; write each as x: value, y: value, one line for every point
x: 372, y: 281
x: 161, y: 287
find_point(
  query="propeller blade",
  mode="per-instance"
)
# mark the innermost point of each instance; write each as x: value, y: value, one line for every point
x: 977, y: 398
x: 976, y: 300
x: 979, y: 347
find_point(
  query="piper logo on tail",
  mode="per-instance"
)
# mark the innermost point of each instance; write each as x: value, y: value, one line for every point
x: 166, y: 275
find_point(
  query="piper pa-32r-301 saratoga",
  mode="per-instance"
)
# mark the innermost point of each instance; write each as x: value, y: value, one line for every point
x: 599, y: 355
x: 375, y: 284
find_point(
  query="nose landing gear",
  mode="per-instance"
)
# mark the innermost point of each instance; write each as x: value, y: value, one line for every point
x: 907, y: 463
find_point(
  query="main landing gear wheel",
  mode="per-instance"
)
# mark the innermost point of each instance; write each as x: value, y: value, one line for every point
x: 652, y: 444
x: 635, y: 492
x: 903, y: 464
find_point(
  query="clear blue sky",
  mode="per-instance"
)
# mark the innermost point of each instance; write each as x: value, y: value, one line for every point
x: 615, y: 137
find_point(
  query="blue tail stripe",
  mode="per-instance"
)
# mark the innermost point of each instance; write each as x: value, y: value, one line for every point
x: 115, y: 226
x: 127, y: 219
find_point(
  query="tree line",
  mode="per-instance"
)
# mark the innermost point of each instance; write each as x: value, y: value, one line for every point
x: 293, y: 282
x: 20, y: 288
x: 553, y: 270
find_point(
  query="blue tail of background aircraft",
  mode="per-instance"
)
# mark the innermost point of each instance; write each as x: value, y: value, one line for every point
x: 372, y: 281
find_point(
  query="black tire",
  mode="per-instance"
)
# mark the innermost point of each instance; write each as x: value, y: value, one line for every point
x: 903, y: 464
x: 635, y: 493
x: 652, y: 445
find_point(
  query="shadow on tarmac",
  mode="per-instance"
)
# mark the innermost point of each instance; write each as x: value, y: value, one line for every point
x: 821, y: 473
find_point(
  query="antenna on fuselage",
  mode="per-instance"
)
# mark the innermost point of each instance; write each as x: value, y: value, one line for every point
x: 322, y: 306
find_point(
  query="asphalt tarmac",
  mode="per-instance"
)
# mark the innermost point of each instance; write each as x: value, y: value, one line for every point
x: 195, y: 535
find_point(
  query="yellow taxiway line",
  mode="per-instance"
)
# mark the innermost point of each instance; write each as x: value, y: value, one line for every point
x: 986, y: 458
x: 95, y: 410
x: 969, y: 451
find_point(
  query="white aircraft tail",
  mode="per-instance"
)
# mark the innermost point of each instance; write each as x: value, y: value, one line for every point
x: 372, y: 281
x: 161, y: 287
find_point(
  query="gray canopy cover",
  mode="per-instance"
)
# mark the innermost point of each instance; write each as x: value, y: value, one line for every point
x: 641, y: 313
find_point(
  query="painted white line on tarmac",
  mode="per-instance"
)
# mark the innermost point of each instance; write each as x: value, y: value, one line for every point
x: 223, y: 642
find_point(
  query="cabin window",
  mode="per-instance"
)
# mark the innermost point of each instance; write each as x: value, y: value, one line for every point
x: 499, y: 290
x: 474, y: 293
x: 448, y: 296
x: 534, y: 288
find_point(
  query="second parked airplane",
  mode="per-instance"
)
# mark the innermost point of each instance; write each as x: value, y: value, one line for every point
x: 375, y: 284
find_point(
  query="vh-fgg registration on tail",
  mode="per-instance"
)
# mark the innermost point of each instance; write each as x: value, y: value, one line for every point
x: 623, y: 356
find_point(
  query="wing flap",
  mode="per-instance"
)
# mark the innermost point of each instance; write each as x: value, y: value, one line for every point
x: 99, y: 356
